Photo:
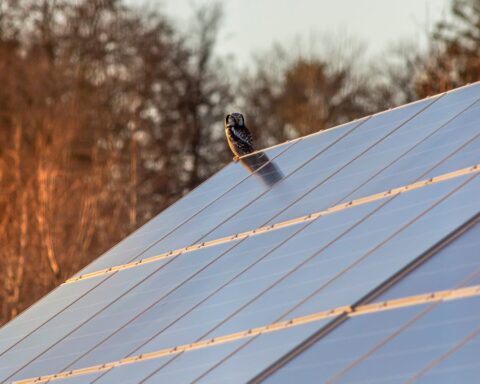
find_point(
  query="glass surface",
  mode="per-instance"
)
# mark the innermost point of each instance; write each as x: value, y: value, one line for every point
x: 430, y: 157
x: 412, y: 349
x: 399, y: 249
x: 463, y: 366
x: 230, y: 177
x: 464, y: 156
x: 100, y: 313
x: 332, y: 174
x: 198, y: 228
x: 365, y: 349
x: 41, y: 312
x: 256, y: 355
x: 447, y: 269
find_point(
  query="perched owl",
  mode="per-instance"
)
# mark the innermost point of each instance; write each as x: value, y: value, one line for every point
x: 238, y: 136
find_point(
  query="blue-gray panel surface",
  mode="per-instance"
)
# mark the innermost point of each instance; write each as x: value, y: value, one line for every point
x: 402, y: 355
x: 447, y: 269
x: 41, y: 312
x: 253, y: 282
x: 381, y: 347
x: 463, y: 365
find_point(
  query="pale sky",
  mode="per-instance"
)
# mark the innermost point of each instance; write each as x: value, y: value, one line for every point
x: 252, y: 26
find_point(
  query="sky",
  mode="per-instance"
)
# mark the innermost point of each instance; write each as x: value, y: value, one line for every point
x: 252, y: 26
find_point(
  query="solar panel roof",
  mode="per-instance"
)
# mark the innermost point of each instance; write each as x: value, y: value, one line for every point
x: 348, y: 255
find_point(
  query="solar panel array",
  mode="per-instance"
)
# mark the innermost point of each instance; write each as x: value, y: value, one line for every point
x: 349, y: 255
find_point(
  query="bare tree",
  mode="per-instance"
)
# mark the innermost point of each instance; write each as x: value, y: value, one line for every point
x: 107, y: 115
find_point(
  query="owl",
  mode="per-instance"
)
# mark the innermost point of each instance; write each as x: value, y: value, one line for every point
x: 238, y: 136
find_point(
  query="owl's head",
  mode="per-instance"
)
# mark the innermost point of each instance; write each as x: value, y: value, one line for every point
x: 234, y: 119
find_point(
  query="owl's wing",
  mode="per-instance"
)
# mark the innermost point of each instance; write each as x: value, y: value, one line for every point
x: 243, y: 135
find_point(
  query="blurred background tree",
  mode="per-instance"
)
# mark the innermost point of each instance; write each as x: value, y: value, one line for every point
x: 108, y: 114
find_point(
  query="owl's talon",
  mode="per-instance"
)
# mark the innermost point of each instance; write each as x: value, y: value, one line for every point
x: 236, y: 159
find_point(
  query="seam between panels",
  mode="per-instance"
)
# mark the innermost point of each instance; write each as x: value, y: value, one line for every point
x: 389, y: 305
x: 341, y: 273
x: 362, y: 305
x: 337, y: 206
x: 279, y: 225
x: 138, y: 254
x: 444, y: 356
x: 186, y: 280
x: 397, y: 332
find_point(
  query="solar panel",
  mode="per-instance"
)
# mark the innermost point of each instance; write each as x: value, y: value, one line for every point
x: 281, y: 259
